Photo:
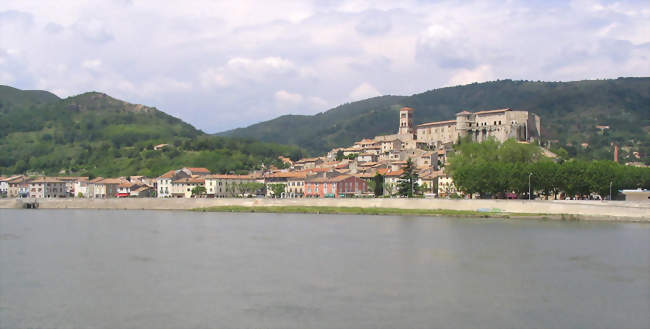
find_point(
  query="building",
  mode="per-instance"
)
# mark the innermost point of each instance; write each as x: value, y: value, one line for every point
x: 18, y: 187
x: 228, y: 186
x: 4, y: 187
x: 182, y: 187
x: 446, y: 186
x: 322, y: 186
x: 47, y: 187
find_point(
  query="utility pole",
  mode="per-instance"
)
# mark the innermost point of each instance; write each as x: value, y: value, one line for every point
x: 529, y: 175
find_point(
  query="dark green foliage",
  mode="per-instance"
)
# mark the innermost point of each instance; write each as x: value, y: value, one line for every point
x: 492, y: 170
x: 94, y: 134
x: 569, y: 112
x: 378, y: 182
x: 408, y: 182
x: 339, y: 155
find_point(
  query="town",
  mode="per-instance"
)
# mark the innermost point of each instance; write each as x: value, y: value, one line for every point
x: 343, y: 172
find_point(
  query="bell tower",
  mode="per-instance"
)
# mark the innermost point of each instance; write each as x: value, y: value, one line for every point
x: 406, y: 121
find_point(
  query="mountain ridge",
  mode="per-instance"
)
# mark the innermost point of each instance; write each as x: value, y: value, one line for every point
x: 94, y: 134
x: 569, y: 112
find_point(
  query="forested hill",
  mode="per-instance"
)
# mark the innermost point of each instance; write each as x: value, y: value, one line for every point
x: 95, y: 134
x: 569, y: 111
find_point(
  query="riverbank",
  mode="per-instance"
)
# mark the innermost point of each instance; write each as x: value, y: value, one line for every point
x: 581, y: 210
x: 376, y: 211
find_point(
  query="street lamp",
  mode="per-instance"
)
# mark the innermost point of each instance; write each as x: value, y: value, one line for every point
x: 529, y: 175
x: 610, y: 190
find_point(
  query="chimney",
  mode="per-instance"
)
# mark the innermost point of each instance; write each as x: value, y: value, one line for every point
x: 616, y: 153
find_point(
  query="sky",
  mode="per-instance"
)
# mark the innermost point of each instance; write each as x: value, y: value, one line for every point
x: 225, y: 64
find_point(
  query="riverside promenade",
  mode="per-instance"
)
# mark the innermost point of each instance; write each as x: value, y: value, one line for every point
x: 583, y: 210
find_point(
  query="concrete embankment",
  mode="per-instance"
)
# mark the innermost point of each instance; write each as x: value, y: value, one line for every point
x: 588, y: 210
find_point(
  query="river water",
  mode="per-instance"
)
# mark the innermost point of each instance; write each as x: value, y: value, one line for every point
x: 165, y: 269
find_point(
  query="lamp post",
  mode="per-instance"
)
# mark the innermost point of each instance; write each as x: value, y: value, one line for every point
x: 610, y: 190
x: 529, y: 175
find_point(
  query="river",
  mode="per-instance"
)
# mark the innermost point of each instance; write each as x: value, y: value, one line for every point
x: 175, y: 269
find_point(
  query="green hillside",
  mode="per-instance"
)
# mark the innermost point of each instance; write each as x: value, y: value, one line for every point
x: 569, y: 111
x: 95, y: 134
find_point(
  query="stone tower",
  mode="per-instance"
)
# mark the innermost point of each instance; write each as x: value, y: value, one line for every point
x: 406, y: 121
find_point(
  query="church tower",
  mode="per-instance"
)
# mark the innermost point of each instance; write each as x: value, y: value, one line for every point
x: 406, y: 121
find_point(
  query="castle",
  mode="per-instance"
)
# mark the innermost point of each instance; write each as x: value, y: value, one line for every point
x: 428, y: 142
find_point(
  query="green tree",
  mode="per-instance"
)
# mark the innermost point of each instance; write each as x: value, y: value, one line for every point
x: 378, y: 188
x: 408, y: 182
x: 277, y: 189
x: 339, y: 155
x: 198, y: 191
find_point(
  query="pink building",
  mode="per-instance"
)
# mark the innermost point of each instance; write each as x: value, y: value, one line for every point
x: 335, y: 187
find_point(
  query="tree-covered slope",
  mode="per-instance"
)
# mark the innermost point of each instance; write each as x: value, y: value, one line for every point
x: 95, y: 134
x: 569, y: 111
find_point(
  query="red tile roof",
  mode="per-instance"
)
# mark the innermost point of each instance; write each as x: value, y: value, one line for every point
x: 199, y: 170
x: 169, y: 174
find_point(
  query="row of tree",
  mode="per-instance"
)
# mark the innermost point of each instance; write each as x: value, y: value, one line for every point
x: 492, y: 169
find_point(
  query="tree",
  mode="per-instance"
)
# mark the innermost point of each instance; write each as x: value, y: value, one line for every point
x: 408, y: 182
x: 277, y: 189
x: 339, y: 155
x: 198, y: 191
x: 378, y: 181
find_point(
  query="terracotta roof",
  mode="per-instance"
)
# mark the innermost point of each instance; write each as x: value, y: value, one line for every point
x: 169, y: 174
x: 230, y: 177
x: 367, y: 164
x: 338, y: 178
x: 46, y: 180
x: 127, y: 184
x: 394, y: 173
x: 406, y: 109
x: 199, y: 170
x: 96, y: 180
x: 382, y: 171
x: 320, y: 169
x: 492, y: 111
x: 435, y: 123
x: 307, y: 160
x: 112, y: 181
x: 289, y: 174
x: 463, y: 112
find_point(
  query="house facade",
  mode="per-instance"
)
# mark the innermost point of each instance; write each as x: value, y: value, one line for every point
x: 335, y: 187
x: 47, y: 187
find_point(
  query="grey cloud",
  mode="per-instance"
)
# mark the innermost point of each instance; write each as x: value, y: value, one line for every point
x: 53, y: 28
x: 18, y: 18
x: 93, y: 30
x: 374, y: 23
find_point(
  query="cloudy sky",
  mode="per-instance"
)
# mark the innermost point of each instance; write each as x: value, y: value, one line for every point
x: 226, y: 64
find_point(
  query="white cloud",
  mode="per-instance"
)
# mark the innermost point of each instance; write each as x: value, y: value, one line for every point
x: 202, y: 58
x: 91, y: 64
x: 363, y: 91
x: 285, y: 98
x: 464, y: 76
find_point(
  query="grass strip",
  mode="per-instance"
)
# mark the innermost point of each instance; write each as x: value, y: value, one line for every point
x: 364, y: 211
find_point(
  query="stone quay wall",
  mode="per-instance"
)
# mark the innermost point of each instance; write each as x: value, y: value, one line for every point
x: 594, y: 210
